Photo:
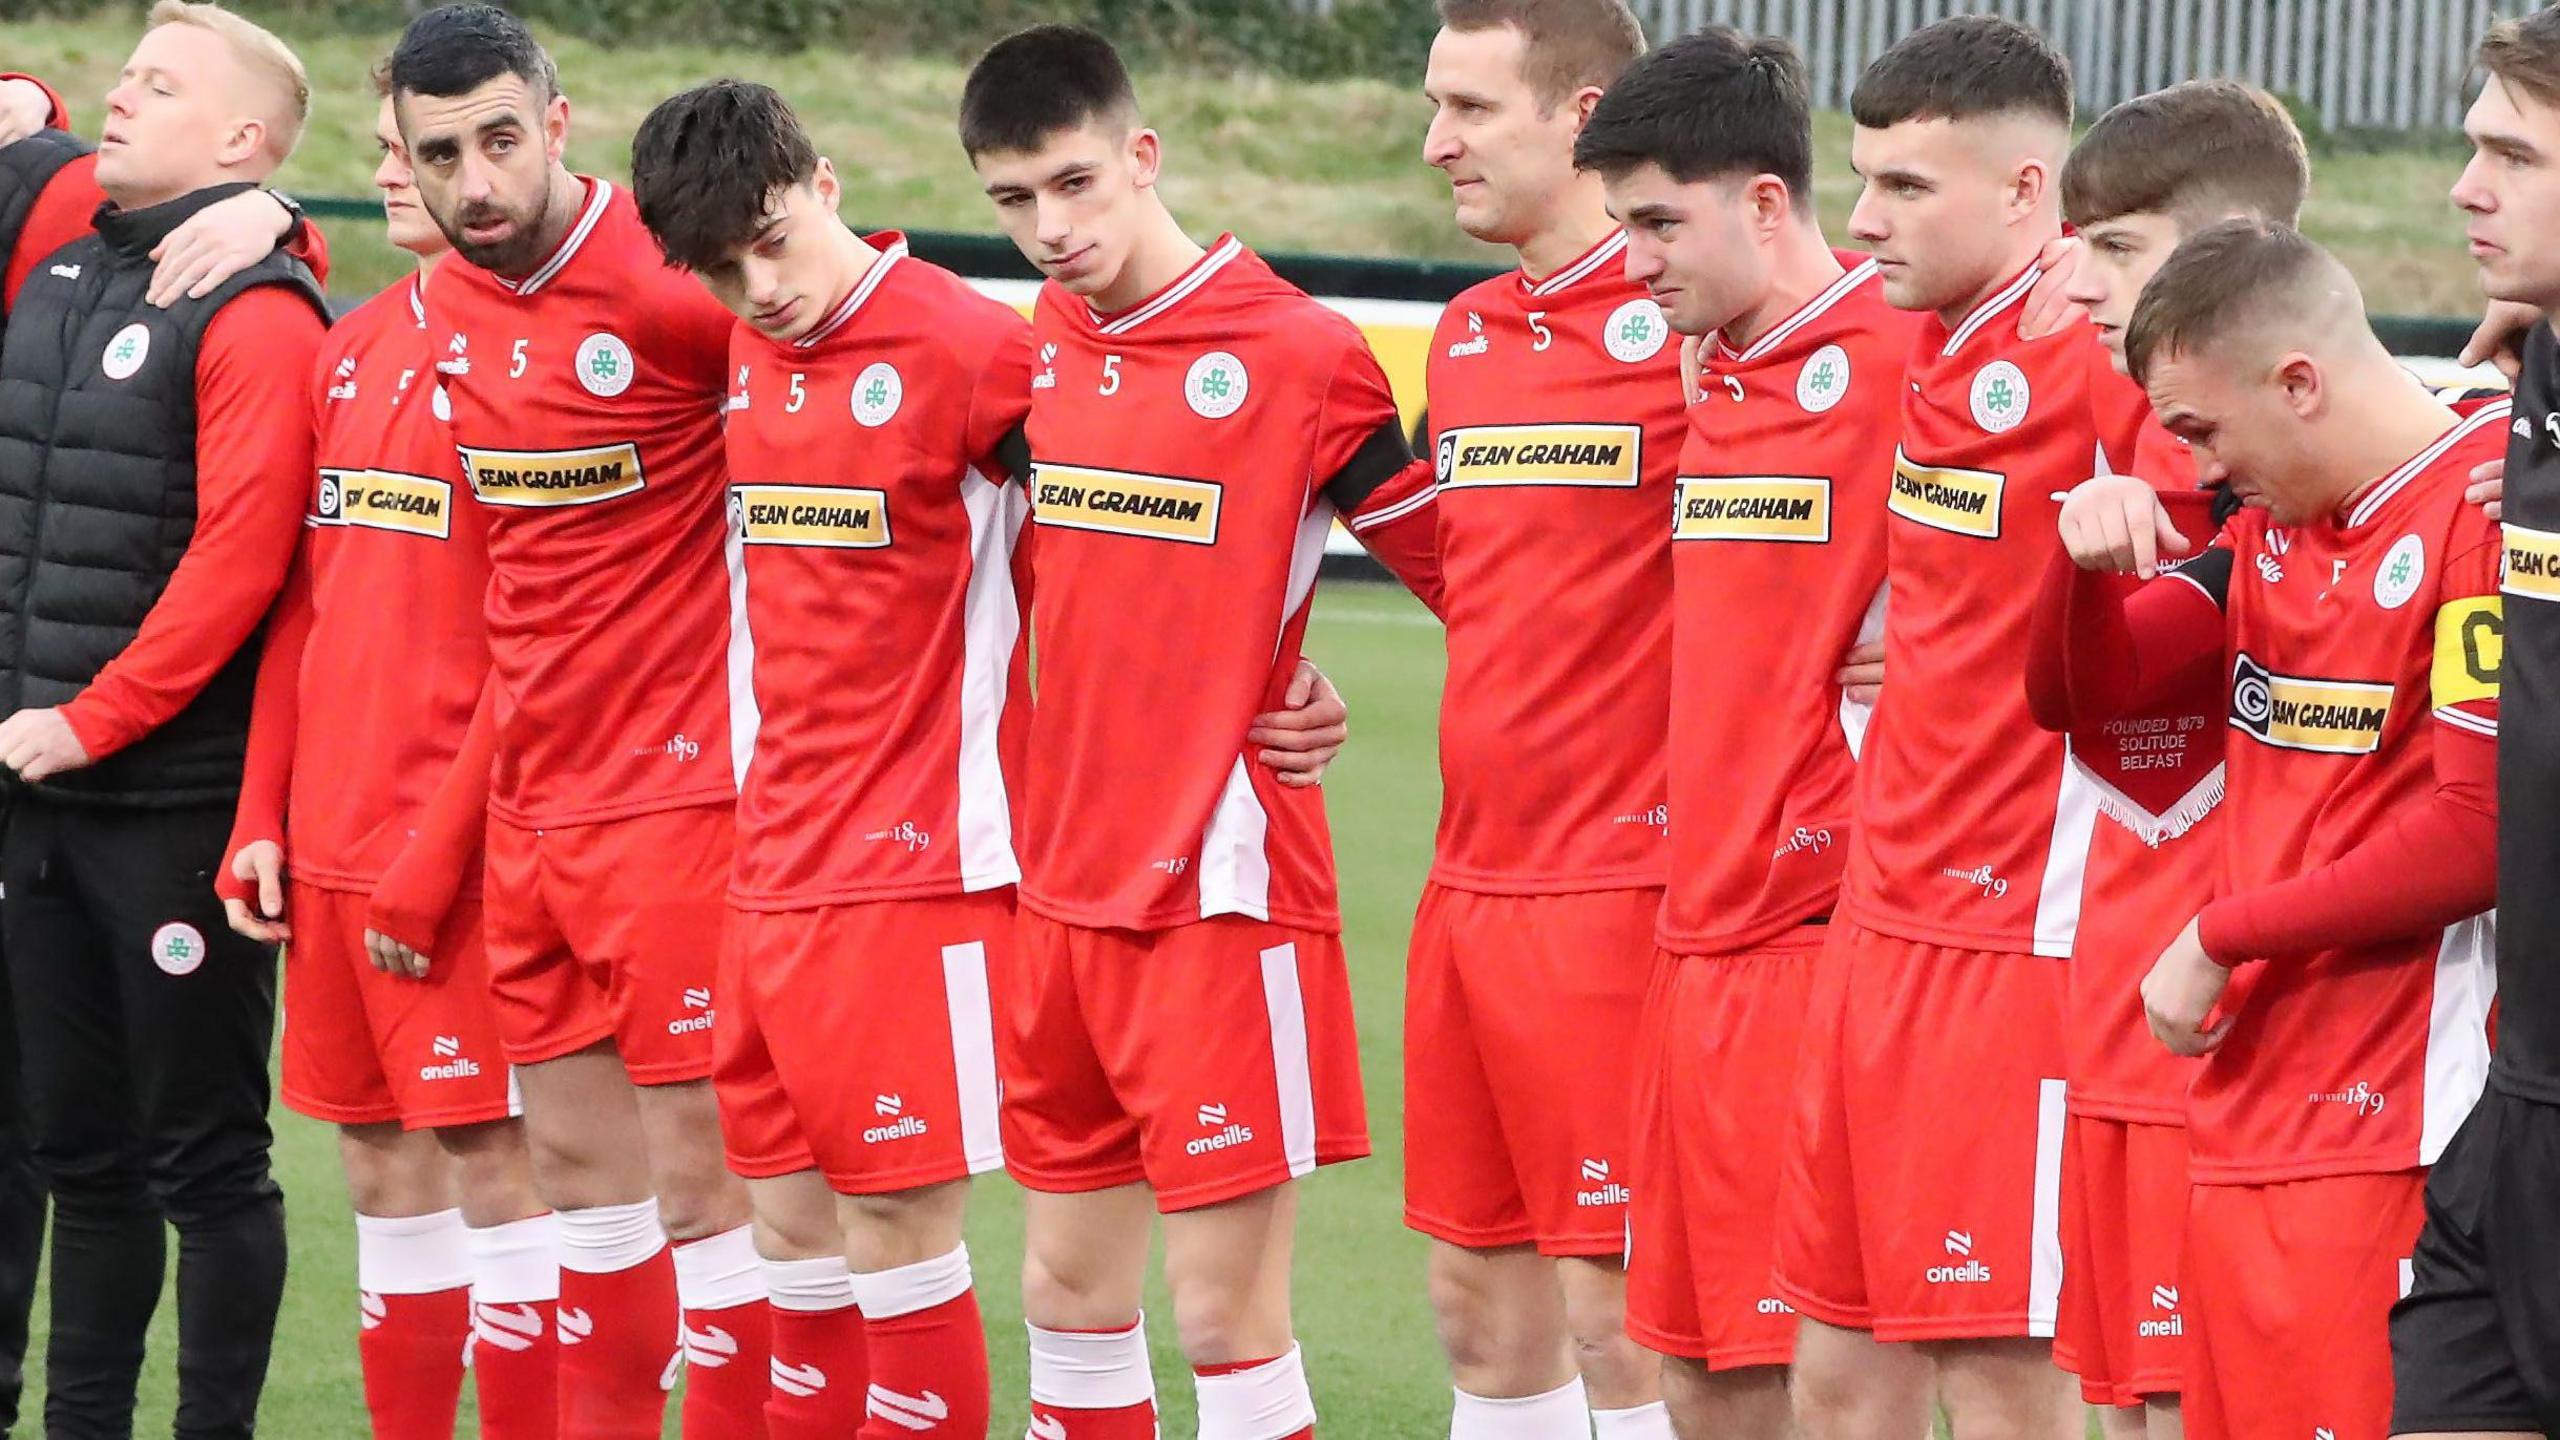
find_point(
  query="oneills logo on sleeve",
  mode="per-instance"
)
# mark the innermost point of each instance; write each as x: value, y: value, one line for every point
x: 2532, y: 564
x: 1117, y: 502
x: 1583, y: 456
x: 386, y: 500
x: 540, y: 478
x: 1961, y: 502
x: 2335, y: 717
x: 1789, y: 508
x: 816, y: 515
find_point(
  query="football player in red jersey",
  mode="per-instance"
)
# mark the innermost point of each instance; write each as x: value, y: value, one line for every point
x: 1555, y: 420
x: 1195, y: 424
x: 2153, y: 170
x: 2341, y: 986
x: 450, y: 1237
x: 1925, y: 1257
x: 1778, y: 561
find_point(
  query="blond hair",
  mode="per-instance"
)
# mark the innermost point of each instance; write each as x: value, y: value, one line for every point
x: 267, y: 59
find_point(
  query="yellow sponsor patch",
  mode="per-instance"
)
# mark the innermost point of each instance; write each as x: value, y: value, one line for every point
x: 387, y: 500
x: 1752, y: 507
x: 2471, y: 643
x: 1117, y: 502
x: 1605, y: 456
x: 2532, y: 568
x: 1963, y: 502
x: 552, y: 477
x: 819, y: 515
x: 2337, y: 717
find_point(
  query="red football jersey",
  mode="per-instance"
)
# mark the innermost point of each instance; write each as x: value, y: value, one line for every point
x: 2351, y: 640
x: 1972, y: 824
x: 585, y: 399
x: 1778, y: 569
x: 399, y: 566
x: 1180, y: 453
x: 1555, y: 412
x: 880, y: 617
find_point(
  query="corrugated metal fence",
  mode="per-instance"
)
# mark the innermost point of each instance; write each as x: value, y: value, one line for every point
x: 2397, y: 64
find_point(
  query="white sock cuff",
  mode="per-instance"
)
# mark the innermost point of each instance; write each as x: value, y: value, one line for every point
x: 888, y: 1294
x: 811, y: 1287
x: 411, y: 1254
x: 719, y: 1271
x: 517, y: 1263
x: 1639, y: 1422
x: 1267, y: 1402
x: 604, y: 1239
x: 1565, y: 1410
x: 1091, y: 1370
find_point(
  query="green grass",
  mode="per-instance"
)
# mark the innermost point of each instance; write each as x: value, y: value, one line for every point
x: 1333, y: 167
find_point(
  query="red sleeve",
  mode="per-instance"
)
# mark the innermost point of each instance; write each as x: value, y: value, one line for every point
x: 1357, y: 404
x: 63, y: 212
x: 1400, y: 525
x: 2100, y: 646
x: 59, y: 118
x: 697, y: 330
x: 2122, y: 410
x: 412, y: 898
x: 309, y: 246
x: 267, y: 778
x: 253, y: 471
x: 999, y: 401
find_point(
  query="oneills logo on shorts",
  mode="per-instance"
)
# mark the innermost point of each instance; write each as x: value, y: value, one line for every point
x: 1116, y: 502
x: 2336, y: 717
x: 1961, y: 502
x: 1753, y: 507
x: 538, y: 478
x: 1602, y: 456
x: 2533, y: 564
x: 384, y: 500
x: 818, y: 515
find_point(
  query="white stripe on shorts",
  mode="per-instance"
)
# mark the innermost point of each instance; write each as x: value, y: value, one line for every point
x: 2044, y: 1264
x: 1291, y: 1068
x: 973, y: 1052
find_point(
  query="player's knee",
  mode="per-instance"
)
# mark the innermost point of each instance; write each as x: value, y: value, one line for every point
x: 696, y: 1206
x: 493, y: 1171
x: 390, y: 1172
x: 1059, y: 1293
x: 1222, y: 1323
x: 883, y: 1232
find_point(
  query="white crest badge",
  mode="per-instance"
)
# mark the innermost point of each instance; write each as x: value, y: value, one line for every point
x: 1636, y: 332
x: 876, y: 393
x: 2404, y: 569
x: 1999, y: 397
x: 1216, y: 386
x: 1824, y: 380
x: 126, y: 352
x: 177, y: 948
x: 605, y: 365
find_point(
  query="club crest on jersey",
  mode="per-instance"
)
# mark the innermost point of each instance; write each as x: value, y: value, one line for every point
x: 1791, y: 508
x: 2334, y: 717
x: 605, y: 365
x: 126, y: 352
x: 1999, y: 397
x: 1961, y: 502
x: 876, y: 393
x: 823, y: 516
x: 1216, y: 386
x: 1636, y: 332
x: 2404, y: 569
x: 1824, y: 380
x: 2532, y: 565
x: 177, y: 948
x: 1579, y: 456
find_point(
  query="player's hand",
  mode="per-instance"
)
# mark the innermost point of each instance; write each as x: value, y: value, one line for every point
x: 261, y: 863
x: 2116, y: 523
x: 392, y: 957
x: 1861, y: 673
x: 2500, y: 339
x: 1693, y: 365
x: 2180, y: 992
x: 1300, y: 739
x: 2050, y: 309
x: 2488, y: 488
x: 215, y: 244
x: 24, y: 107
x: 39, y: 744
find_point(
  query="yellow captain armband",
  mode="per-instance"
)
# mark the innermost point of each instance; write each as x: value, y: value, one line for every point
x: 2471, y: 643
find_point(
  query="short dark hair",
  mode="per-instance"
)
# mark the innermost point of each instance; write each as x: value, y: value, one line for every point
x: 706, y: 165
x: 2525, y: 53
x: 1567, y: 44
x: 1034, y: 83
x: 2198, y: 151
x: 455, y: 49
x: 1965, y: 67
x: 1707, y: 106
x: 2228, y: 279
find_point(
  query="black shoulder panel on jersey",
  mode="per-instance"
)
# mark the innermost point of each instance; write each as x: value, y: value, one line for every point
x: 2211, y: 573
x: 1013, y: 452
x: 1379, y: 457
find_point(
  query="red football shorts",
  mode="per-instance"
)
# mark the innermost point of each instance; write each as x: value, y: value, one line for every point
x: 860, y: 1039
x: 1522, y: 1103
x: 1716, y: 1069
x: 610, y: 931
x: 2289, y: 1289
x: 363, y: 1047
x: 2124, y: 1206
x: 1211, y: 1060
x: 1921, y: 1192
